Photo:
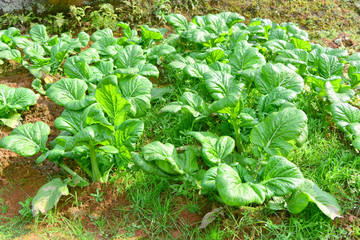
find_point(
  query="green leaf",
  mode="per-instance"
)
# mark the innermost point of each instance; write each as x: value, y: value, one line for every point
x: 220, y: 84
x: 84, y: 38
x: 208, y: 182
x: 310, y: 192
x: 27, y: 139
x: 106, y: 32
x: 38, y: 34
x: 21, y: 42
x: 130, y: 56
x: 277, y: 98
x: 67, y: 90
x: 235, y: 193
x: 281, y: 176
x: 231, y: 18
x: 71, y: 121
x: 19, y: 98
x: 148, y: 33
x: 178, y: 21
x: 36, y: 84
x: 96, y: 133
x: 160, y: 50
x: 103, y: 45
x: 137, y: 90
x: 148, y: 167
x: 215, y: 149
x: 164, y: 155
x: 76, y: 67
x: 302, y: 44
x: 90, y: 55
x: 111, y: 101
x: 344, y: 94
x: 128, y: 133
x: 277, y: 133
x: 249, y: 58
x: 196, y: 70
x: 329, y: 66
x: 278, y: 75
x: 48, y: 196
x: 12, y: 120
x: 344, y: 114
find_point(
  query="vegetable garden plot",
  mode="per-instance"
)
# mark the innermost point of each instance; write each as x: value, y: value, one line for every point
x: 252, y: 78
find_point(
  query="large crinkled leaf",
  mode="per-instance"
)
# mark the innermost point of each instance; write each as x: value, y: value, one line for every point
x: 178, y: 21
x: 297, y: 57
x: 12, y: 120
x: 188, y: 161
x: 281, y: 176
x: 38, y: 33
x: 246, y: 59
x: 164, y: 155
x: 160, y: 50
x: 128, y: 133
x: 301, y: 44
x: 130, y: 56
x: 196, y: 70
x: 278, y: 34
x: 310, y: 192
x: 319, y: 83
x: 95, y: 115
x: 48, y: 196
x: 90, y: 55
x: 21, y: 42
x: 344, y: 94
x: 58, y: 53
x: 96, y: 133
x: 84, y: 38
x: 344, y: 114
x: 137, y: 90
x: 273, y: 101
x: 278, y: 45
x: 76, y: 67
x: 214, y: 149
x: 208, y: 182
x: 197, y: 35
x: 278, y: 75
x: 219, y: 84
x: 189, y: 102
x: 103, y: 45
x: 329, y: 66
x: 111, y: 101
x: 277, y: 133
x: 231, y: 18
x: 12, y: 54
x: 148, y: 167
x: 148, y: 33
x: 354, y: 74
x: 235, y: 193
x: 18, y: 98
x: 66, y: 90
x: 27, y: 139
x: 71, y: 121
x: 106, y: 32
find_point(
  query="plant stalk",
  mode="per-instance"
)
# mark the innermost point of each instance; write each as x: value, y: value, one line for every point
x: 238, y: 141
x: 94, y: 166
x: 71, y: 172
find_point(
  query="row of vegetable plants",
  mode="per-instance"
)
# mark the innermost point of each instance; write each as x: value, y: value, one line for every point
x: 250, y: 79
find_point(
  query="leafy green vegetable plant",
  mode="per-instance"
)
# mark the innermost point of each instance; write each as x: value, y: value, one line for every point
x: 13, y: 100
